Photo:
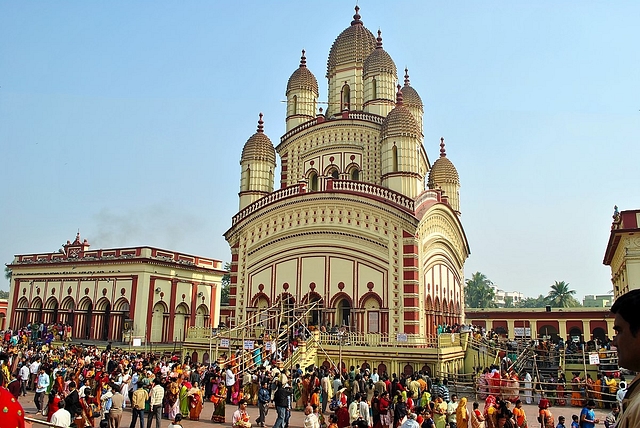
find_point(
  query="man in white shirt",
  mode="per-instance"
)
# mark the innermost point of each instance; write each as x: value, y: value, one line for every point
x: 452, y: 407
x: 374, y: 376
x: 61, y: 418
x: 42, y: 384
x: 33, y: 369
x: 24, y: 378
x: 155, y: 401
x: 229, y: 381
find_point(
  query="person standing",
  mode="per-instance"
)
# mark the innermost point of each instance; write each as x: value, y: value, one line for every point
x: 117, y: 405
x: 627, y: 342
x: 138, y: 400
x: 61, y: 417
x: 281, y: 401
x: 41, y: 385
x: 24, y: 378
x: 452, y: 406
x: 34, y: 370
x: 156, y: 397
x: 229, y: 381
x: 264, y: 396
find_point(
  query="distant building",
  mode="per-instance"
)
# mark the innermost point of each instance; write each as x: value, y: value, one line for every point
x: 597, y: 301
x: 500, y: 296
x: 111, y: 294
x: 623, y: 251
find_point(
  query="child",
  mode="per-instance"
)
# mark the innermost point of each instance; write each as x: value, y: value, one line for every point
x: 575, y: 421
x: 561, y: 422
x: 333, y: 421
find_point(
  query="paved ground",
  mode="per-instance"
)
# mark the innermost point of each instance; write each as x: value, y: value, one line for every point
x: 297, y: 417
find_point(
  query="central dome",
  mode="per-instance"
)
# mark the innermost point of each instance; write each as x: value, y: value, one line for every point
x: 354, y: 44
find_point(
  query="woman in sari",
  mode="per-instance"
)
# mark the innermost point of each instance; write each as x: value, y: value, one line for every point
x: 196, y: 396
x: 560, y: 394
x: 218, y: 400
x: 440, y: 413
x: 576, y: 398
x: 462, y: 414
x: 597, y: 391
x: 171, y: 402
x: 184, y: 398
x: 490, y: 412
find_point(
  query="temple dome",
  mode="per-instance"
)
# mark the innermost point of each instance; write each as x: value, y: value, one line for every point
x: 354, y: 44
x: 409, y: 94
x: 379, y: 61
x: 442, y: 170
x: 259, y: 147
x: 400, y: 122
x: 303, y: 78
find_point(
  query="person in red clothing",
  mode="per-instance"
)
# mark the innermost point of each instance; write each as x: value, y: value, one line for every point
x: 12, y: 411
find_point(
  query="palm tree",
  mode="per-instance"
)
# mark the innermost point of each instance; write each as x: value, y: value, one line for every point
x: 478, y: 292
x: 7, y: 273
x: 560, y: 296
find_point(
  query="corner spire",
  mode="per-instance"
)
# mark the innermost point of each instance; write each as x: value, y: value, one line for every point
x: 379, y: 40
x: 406, y: 77
x: 260, y: 124
x: 443, y: 152
x: 399, y: 96
x: 356, y: 17
x: 303, y: 60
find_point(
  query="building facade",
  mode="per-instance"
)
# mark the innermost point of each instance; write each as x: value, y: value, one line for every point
x: 623, y: 251
x: 597, y: 301
x: 116, y: 294
x: 363, y: 225
x: 539, y: 323
x: 501, y: 297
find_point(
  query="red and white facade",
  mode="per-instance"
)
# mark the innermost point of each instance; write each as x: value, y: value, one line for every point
x: 354, y: 226
x: 113, y: 294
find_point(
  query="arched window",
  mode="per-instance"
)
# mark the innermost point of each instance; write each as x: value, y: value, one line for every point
x: 344, y: 313
x: 374, y: 87
x: 346, y: 98
x: 334, y: 174
x: 247, y: 180
x: 355, y: 174
x: 313, y: 182
x: 394, y: 152
x: 295, y: 105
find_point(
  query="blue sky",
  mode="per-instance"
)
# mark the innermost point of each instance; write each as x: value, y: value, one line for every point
x: 126, y: 120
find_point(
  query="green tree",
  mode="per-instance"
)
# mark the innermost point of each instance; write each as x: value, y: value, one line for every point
x: 533, y: 302
x: 478, y: 292
x: 508, y: 302
x: 561, y: 296
x: 225, y: 285
x: 8, y: 273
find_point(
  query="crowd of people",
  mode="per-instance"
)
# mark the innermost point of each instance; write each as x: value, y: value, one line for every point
x: 82, y: 386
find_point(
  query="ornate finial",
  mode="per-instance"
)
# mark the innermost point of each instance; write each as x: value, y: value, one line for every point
x: 399, y: 96
x: 443, y: 152
x: 356, y: 17
x: 379, y: 40
x: 406, y: 77
x: 260, y: 124
x: 303, y: 60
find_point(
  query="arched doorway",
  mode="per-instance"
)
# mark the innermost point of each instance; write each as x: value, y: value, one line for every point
x: 599, y: 333
x: 102, y: 319
x: 119, y: 313
x: 202, y: 316
x: 382, y: 368
x: 549, y: 331
x: 51, y: 311
x: 194, y: 357
x: 83, y: 325
x: 158, y: 321
x: 372, y: 313
x: 344, y: 313
x: 35, y: 311
x: 20, y: 319
x: 575, y: 331
x: 181, y: 322
x: 408, y: 370
x: 67, y: 311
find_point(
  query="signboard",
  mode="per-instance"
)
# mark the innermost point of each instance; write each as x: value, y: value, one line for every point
x: 248, y: 345
x: 522, y: 332
x: 267, y: 346
x: 401, y: 337
x: 137, y: 342
x: 224, y: 343
x: 594, y: 359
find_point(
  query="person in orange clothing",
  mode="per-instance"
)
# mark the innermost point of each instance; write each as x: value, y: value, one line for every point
x: 12, y: 411
x: 519, y: 415
x: 315, y: 398
x: 597, y: 391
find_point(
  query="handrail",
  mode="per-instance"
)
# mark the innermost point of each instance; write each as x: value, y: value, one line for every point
x: 39, y: 421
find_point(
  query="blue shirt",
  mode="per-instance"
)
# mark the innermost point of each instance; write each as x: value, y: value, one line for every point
x: 590, y: 415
